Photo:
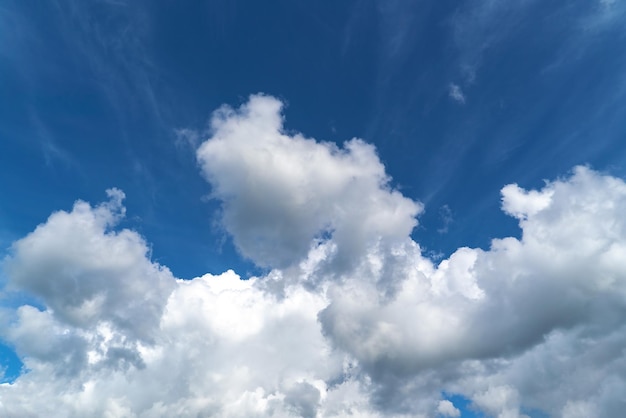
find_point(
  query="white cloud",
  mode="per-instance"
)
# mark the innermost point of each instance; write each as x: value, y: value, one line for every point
x: 520, y: 203
x: 447, y: 409
x: 455, y: 93
x: 530, y: 323
x: 85, y: 272
x: 281, y: 191
x: 500, y: 401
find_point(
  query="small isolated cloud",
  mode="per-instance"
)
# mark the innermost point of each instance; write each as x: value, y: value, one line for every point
x: 185, y: 137
x: 531, y: 323
x: 456, y: 94
x: 445, y: 214
x: 447, y: 409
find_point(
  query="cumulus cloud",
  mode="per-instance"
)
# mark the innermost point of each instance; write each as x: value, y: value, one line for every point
x: 447, y: 409
x: 281, y: 191
x: 85, y: 272
x: 520, y: 203
x: 531, y: 323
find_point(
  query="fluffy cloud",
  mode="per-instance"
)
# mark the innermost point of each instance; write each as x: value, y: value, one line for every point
x: 447, y: 409
x: 281, y: 191
x: 85, y: 272
x: 352, y: 320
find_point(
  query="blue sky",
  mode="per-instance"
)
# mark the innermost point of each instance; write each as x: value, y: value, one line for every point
x: 459, y: 99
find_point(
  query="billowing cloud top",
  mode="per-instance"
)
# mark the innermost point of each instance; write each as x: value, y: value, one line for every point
x: 281, y: 191
x: 352, y: 320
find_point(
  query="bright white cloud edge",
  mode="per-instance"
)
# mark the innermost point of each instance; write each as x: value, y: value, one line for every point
x: 352, y: 320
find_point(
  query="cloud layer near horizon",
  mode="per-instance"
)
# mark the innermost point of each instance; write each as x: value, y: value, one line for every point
x: 351, y: 320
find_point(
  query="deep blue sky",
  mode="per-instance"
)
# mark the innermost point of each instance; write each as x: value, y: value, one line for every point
x: 95, y: 94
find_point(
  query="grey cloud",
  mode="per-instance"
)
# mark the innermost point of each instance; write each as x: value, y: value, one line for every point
x: 304, y: 399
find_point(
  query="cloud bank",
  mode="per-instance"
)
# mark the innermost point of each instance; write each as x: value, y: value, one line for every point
x: 351, y: 320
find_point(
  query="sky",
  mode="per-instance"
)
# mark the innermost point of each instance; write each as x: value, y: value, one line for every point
x: 312, y: 209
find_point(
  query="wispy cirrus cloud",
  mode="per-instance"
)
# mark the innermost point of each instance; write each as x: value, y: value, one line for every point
x: 480, y: 27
